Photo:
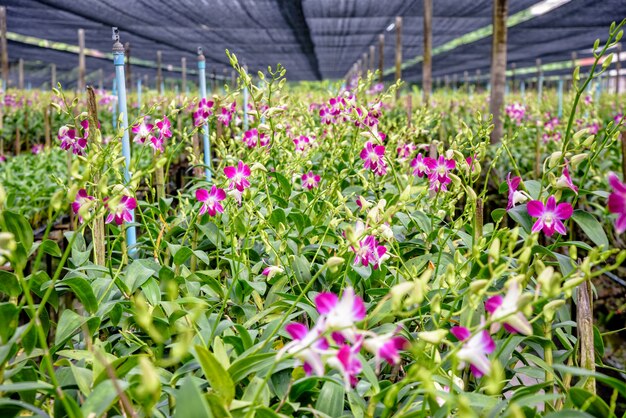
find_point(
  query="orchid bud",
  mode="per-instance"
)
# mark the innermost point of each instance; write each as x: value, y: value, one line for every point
x: 554, y: 159
x: 477, y: 285
x: 577, y: 159
x: 549, y: 282
x: 494, y: 250
x: 433, y: 337
x: 334, y: 262
x: 589, y: 141
x: 550, y: 309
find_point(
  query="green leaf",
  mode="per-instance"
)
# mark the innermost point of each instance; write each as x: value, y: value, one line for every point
x: 590, y: 225
x: 48, y: 247
x: 20, y: 228
x: 250, y: 364
x: 8, y: 319
x: 301, y: 268
x: 102, y: 398
x: 498, y: 214
x: 218, y: 377
x: 591, y: 403
x: 137, y: 274
x: 83, y: 290
x: 9, y: 284
x: 69, y: 323
x: 181, y: 254
x: 520, y: 215
x: 568, y: 413
x: 190, y: 402
x: 331, y: 399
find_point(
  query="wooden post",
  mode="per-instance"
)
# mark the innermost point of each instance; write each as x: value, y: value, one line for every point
x: 3, y: 46
x: 618, y: 67
x: 372, y: 58
x: 366, y: 66
x: 159, y: 79
x: 513, y: 67
x: 398, y: 51
x: 427, y: 71
x: 466, y: 80
x: 455, y: 82
x: 574, y: 63
x: 46, y: 127
x: 53, y: 75
x: 584, y: 320
x: 498, y: 66
x: 100, y: 79
x: 20, y: 74
x: 129, y: 78
x: 381, y: 56
x: 213, y: 81
x: 183, y: 65
x: 477, y: 82
x: 81, y: 60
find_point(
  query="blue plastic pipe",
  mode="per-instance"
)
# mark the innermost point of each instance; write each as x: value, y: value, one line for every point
x: 205, y: 141
x: 114, y: 113
x: 118, y: 60
x: 522, y: 89
x: 560, y: 94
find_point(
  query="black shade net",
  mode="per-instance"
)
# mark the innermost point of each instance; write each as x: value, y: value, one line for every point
x: 313, y: 39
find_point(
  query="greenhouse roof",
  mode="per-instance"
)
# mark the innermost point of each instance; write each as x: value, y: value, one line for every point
x: 313, y: 39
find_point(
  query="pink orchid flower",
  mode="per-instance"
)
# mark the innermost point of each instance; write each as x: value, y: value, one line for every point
x: 251, y: 137
x: 341, y: 314
x: 565, y: 181
x: 347, y: 363
x: 515, y: 196
x: 617, y: 202
x: 474, y: 350
x: 385, y: 347
x: 550, y: 216
x: 307, y: 346
x: 507, y: 311
x: 164, y: 127
x: 143, y: 132
x: 123, y: 211
x: 420, y: 168
x: 82, y: 198
x: 238, y: 176
x: 310, y: 180
x: 440, y: 169
x: 211, y: 200
x: 373, y: 158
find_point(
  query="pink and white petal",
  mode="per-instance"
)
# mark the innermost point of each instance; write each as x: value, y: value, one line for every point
x: 297, y: 331
x: 461, y: 333
x: 564, y: 211
x: 538, y: 226
x: 202, y: 195
x: 535, y: 208
x: 559, y: 227
x: 325, y: 302
x: 493, y: 303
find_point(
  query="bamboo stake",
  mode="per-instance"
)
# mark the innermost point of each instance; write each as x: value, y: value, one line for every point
x: 498, y: 66
x: 398, y: 51
x: 98, y: 228
x: 584, y: 320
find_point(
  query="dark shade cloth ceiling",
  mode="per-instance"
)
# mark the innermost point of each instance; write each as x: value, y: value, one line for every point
x: 313, y: 39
